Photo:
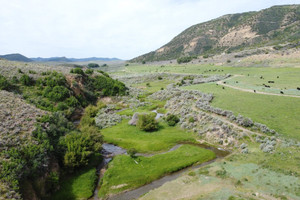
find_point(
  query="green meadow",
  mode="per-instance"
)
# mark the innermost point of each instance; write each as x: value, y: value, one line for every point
x: 279, y: 113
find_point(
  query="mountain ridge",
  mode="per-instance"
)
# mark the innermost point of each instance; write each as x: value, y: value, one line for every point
x: 16, y: 57
x: 232, y: 32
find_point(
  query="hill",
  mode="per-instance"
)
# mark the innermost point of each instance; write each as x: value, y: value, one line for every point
x: 64, y: 59
x: 16, y: 57
x: 233, y: 32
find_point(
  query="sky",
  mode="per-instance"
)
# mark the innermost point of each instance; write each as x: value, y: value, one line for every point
x: 106, y: 28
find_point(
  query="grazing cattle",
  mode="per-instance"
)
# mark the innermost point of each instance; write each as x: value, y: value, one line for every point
x: 261, y: 77
x: 255, y: 91
x: 224, y: 82
x: 236, y: 82
x: 223, y: 88
x: 281, y: 92
x: 277, y: 76
x: 298, y: 88
x: 217, y: 84
x: 271, y: 82
x: 267, y: 86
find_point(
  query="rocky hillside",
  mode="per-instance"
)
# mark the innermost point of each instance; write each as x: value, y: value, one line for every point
x: 234, y: 32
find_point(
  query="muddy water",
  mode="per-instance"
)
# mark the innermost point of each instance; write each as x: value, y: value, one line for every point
x: 110, y: 150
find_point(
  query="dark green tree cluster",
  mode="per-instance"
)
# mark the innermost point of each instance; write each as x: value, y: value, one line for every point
x: 108, y: 86
x: 54, y: 137
x: 147, y: 122
x: 79, y: 146
x: 172, y: 120
x: 185, y: 59
x: 93, y: 65
x: 77, y: 70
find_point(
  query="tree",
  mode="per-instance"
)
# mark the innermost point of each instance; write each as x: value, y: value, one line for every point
x: 93, y: 65
x: 147, y: 122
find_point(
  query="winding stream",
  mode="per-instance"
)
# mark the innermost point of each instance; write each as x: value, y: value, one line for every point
x: 110, y: 150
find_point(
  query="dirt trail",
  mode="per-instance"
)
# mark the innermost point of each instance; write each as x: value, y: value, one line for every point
x: 252, y: 91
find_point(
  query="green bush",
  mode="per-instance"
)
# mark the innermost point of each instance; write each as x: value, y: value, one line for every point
x: 62, y: 106
x: 58, y: 93
x: 79, y: 146
x: 172, y: 120
x: 93, y: 65
x: 185, y: 59
x: 72, y: 101
x: 26, y: 80
x: 89, y: 71
x: 191, y: 119
x: 77, y: 70
x: 4, y: 84
x: 147, y: 122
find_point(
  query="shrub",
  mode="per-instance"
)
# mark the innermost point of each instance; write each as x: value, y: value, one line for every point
x: 4, y: 84
x: 191, y: 119
x: 147, y: 122
x: 77, y: 70
x: 32, y: 72
x: 79, y: 146
x: 172, y: 120
x: 185, y: 59
x: 131, y: 152
x: 62, y: 106
x: 93, y: 65
x: 72, y: 101
x: 58, y: 93
x: 89, y: 71
x: 14, y: 80
x: 26, y: 80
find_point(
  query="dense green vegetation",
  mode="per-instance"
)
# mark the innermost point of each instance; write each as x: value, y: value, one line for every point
x: 93, y: 65
x: 270, y: 110
x: 52, y: 92
x: 81, y: 184
x: 185, y: 59
x: 143, y: 170
x: 4, y: 84
x: 172, y: 120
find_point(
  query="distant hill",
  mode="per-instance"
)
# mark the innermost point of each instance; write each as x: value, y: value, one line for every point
x: 64, y: 59
x: 16, y: 57
x: 234, y: 32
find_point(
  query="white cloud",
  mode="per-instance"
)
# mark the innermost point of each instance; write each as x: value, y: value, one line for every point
x: 115, y: 28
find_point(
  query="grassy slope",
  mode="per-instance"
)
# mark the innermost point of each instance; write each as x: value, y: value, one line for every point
x: 154, y: 85
x: 127, y: 136
x: 124, y: 173
x: 279, y: 113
